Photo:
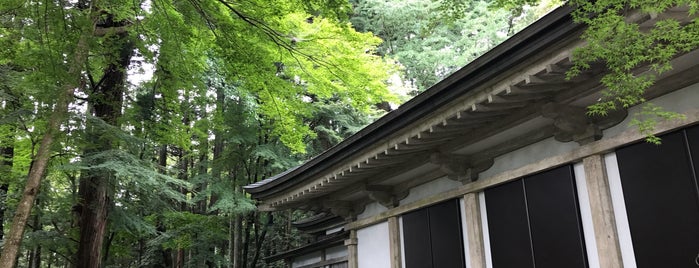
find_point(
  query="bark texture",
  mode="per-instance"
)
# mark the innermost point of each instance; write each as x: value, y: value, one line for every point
x: 94, y: 192
x: 41, y: 159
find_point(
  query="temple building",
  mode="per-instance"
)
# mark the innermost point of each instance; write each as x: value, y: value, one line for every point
x: 499, y: 165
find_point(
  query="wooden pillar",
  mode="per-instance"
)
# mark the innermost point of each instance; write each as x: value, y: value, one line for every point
x: 602, y: 212
x: 351, y: 243
x: 394, y: 241
x: 474, y: 231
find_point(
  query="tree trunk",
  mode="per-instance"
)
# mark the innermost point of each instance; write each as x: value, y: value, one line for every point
x: 40, y: 162
x: 7, y: 153
x: 35, y: 257
x: 94, y: 193
x: 246, y: 240
x: 164, y: 254
x: 237, y: 241
x: 185, y: 161
x: 93, y: 220
x: 179, y: 259
x: 107, y: 247
x: 218, y: 143
x: 35, y: 254
x: 231, y: 238
x: 259, y: 240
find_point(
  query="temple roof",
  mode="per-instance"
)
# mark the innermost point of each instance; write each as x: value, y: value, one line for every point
x: 516, y: 94
x: 537, y: 36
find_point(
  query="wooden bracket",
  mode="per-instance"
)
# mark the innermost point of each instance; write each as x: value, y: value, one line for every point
x: 384, y: 198
x: 573, y: 124
x: 382, y: 194
x: 459, y: 167
x: 343, y: 209
x: 312, y: 206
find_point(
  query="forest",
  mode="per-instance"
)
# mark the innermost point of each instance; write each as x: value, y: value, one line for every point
x: 127, y: 128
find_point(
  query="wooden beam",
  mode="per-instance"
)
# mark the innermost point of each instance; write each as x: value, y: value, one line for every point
x: 602, y: 211
x: 516, y: 143
x: 351, y: 243
x: 394, y: 242
x: 542, y: 87
x: 509, y: 95
x: 498, y: 106
x: 387, y: 173
x: 474, y: 231
x: 418, y: 143
x: 400, y: 149
x: 431, y: 135
x: 324, y: 263
x: 383, y: 159
x: 513, y: 119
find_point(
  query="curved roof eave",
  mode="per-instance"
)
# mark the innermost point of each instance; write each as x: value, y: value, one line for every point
x: 541, y: 34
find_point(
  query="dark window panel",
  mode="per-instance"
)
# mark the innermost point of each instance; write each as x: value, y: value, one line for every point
x: 446, y: 235
x: 432, y: 237
x: 416, y: 239
x: 661, y: 201
x: 693, y: 142
x: 510, y: 242
x: 554, y: 219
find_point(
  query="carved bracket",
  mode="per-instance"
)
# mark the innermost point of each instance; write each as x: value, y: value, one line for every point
x: 340, y: 208
x: 573, y: 124
x: 385, y: 199
x: 382, y: 195
x: 460, y: 168
x: 312, y: 206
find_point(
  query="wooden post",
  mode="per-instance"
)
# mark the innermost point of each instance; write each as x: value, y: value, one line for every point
x: 351, y: 244
x: 394, y: 241
x: 602, y: 212
x: 474, y: 231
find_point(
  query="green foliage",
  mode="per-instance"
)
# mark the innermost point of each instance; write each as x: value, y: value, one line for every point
x: 647, y: 119
x: 231, y: 202
x: 131, y: 171
x: 187, y: 229
x: 431, y: 47
x: 239, y: 91
x: 634, y: 56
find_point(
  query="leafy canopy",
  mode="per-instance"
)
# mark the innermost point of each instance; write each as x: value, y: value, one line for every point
x: 634, y: 55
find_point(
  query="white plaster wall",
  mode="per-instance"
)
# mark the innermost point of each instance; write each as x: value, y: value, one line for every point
x: 678, y: 101
x: 371, y: 209
x: 464, y: 232
x: 527, y: 155
x: 486, y: 231
x: 586, y: 216
x: 619, y: 204
x: 402, y: 242
x: 335, y: 252
x: 307, y: 259
x: 373, y: 246
x: 430, y: 189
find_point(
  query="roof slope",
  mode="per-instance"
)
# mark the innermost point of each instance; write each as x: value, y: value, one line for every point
x: 537, y: 37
